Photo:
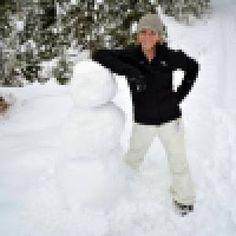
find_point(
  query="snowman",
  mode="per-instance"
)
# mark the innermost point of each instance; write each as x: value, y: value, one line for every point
x: 89, y: 170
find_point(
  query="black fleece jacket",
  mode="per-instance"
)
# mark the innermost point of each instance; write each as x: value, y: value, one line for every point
x: 158, y: 103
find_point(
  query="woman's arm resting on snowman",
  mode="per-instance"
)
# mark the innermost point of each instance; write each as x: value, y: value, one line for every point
x: 117, y: 61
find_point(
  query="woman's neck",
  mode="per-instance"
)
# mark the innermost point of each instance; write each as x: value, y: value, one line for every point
x: 149, y: 53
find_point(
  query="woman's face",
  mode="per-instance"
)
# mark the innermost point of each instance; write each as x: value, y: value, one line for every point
x: 148, y: 38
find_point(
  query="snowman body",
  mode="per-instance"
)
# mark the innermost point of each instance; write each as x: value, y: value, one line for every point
x: 90, y: 168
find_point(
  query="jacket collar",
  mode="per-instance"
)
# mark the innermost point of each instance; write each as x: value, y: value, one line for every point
x: 160, y: 48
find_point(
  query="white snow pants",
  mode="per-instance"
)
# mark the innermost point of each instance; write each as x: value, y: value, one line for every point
x: 171, y: 135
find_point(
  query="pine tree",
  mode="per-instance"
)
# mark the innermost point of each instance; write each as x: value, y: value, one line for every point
x: 6, y: 54
x: 34, y: 31
x: 184, y: 10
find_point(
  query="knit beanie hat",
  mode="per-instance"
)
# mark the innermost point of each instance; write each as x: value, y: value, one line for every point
x: 153, y: 22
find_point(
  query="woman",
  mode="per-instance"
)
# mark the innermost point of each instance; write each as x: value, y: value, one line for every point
x: 148, y: 67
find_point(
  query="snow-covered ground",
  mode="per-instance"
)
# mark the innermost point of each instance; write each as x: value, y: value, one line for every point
x: 30, y: 204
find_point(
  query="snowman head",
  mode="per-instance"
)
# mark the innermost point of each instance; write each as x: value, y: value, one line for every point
x: 92, y: 84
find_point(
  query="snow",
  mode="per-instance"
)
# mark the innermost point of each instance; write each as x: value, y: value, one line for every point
x: 30, y: 199
x: 19, y: 25
x: 92, y: 87
x: 88, y: 171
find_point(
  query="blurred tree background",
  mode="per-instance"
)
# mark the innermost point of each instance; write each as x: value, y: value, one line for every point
x: 40, y: 39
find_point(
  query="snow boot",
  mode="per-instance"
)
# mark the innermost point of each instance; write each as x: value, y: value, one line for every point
x: 183, y: 209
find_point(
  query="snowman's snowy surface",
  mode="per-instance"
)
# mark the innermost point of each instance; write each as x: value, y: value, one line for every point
x: 91, y: 184
x: 84, y: 131
x: 89, y: 169
x: 94, y: 117
x: 92, y: 87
